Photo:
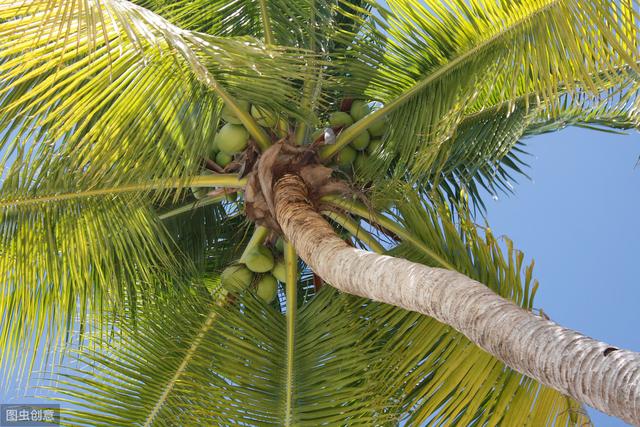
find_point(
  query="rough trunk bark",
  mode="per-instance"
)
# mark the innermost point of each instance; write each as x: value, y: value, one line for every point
x: 588, y: 370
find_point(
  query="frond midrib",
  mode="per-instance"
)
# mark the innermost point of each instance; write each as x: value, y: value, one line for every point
x: 291, y: 293
x: 266, y: 23
x: 161, y: 184
x: 206, y: 326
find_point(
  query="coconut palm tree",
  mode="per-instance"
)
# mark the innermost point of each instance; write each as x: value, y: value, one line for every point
x: 264, y: 212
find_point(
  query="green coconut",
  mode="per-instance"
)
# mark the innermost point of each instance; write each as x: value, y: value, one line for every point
x: 229, y: 116
x: 263, y: 117
x: 378, y: 129
x: 213, y: 149
x: 279, y: 271
x: 236, y: 278
x: 346, y: 157
x: 340, y: 119
x: 373, y: 147
x: 280, y: 245
x: 232, y: 139
x: 259, y: 259
x: 267, y: 288
x: 359, y: 109
x: 223, y: 159
x: 361, y: 141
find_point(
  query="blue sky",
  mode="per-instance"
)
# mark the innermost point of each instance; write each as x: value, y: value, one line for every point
x: 578, y: 218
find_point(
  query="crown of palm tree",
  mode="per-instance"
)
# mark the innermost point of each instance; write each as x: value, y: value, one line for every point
x: 108, y: 111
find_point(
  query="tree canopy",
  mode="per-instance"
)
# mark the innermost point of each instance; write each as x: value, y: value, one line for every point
x: 108, y: 110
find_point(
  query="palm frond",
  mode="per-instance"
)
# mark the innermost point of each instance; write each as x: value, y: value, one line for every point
x: 115, y: 92
x: 354, y: 361
x: 74, y: 260
x: 209, y: 235
x: 499, y: 138
x: 484, y: 154
x: 289, y: 21
x: 70, y: 264
x: 439, y: 376
x: 439, y: 55
x: 488, y: 149
x: 300, y: 23
x: 618, y: 111
x: 225, y: 363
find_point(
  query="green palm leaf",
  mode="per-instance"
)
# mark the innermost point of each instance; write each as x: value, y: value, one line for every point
x: 75, y: 260
x: 301, y: 23
x: 211, y: 235
x: 353, y: 360
x: 619, y: 110
x: 287, y: 23
x: 440, y: 377
x: 119, y: 94
x: 487, y: 150
x: 225, y: 363
x: 66, y: 265
x: 483, y: 154
x: 438, y: 56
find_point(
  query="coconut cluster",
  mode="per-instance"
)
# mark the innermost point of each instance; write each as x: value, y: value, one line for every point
x: 260, y: 266
x: 232, y: 139
x: 356, y: 154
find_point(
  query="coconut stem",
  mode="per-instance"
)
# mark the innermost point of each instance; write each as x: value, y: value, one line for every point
x: 266, y: 24
x: 310, y: 91
x: 259, y: 236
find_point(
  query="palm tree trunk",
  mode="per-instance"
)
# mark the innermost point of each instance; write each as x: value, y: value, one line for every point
x: 588, y: 370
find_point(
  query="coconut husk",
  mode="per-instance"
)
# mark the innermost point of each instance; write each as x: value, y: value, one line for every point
x: 275, y: 162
